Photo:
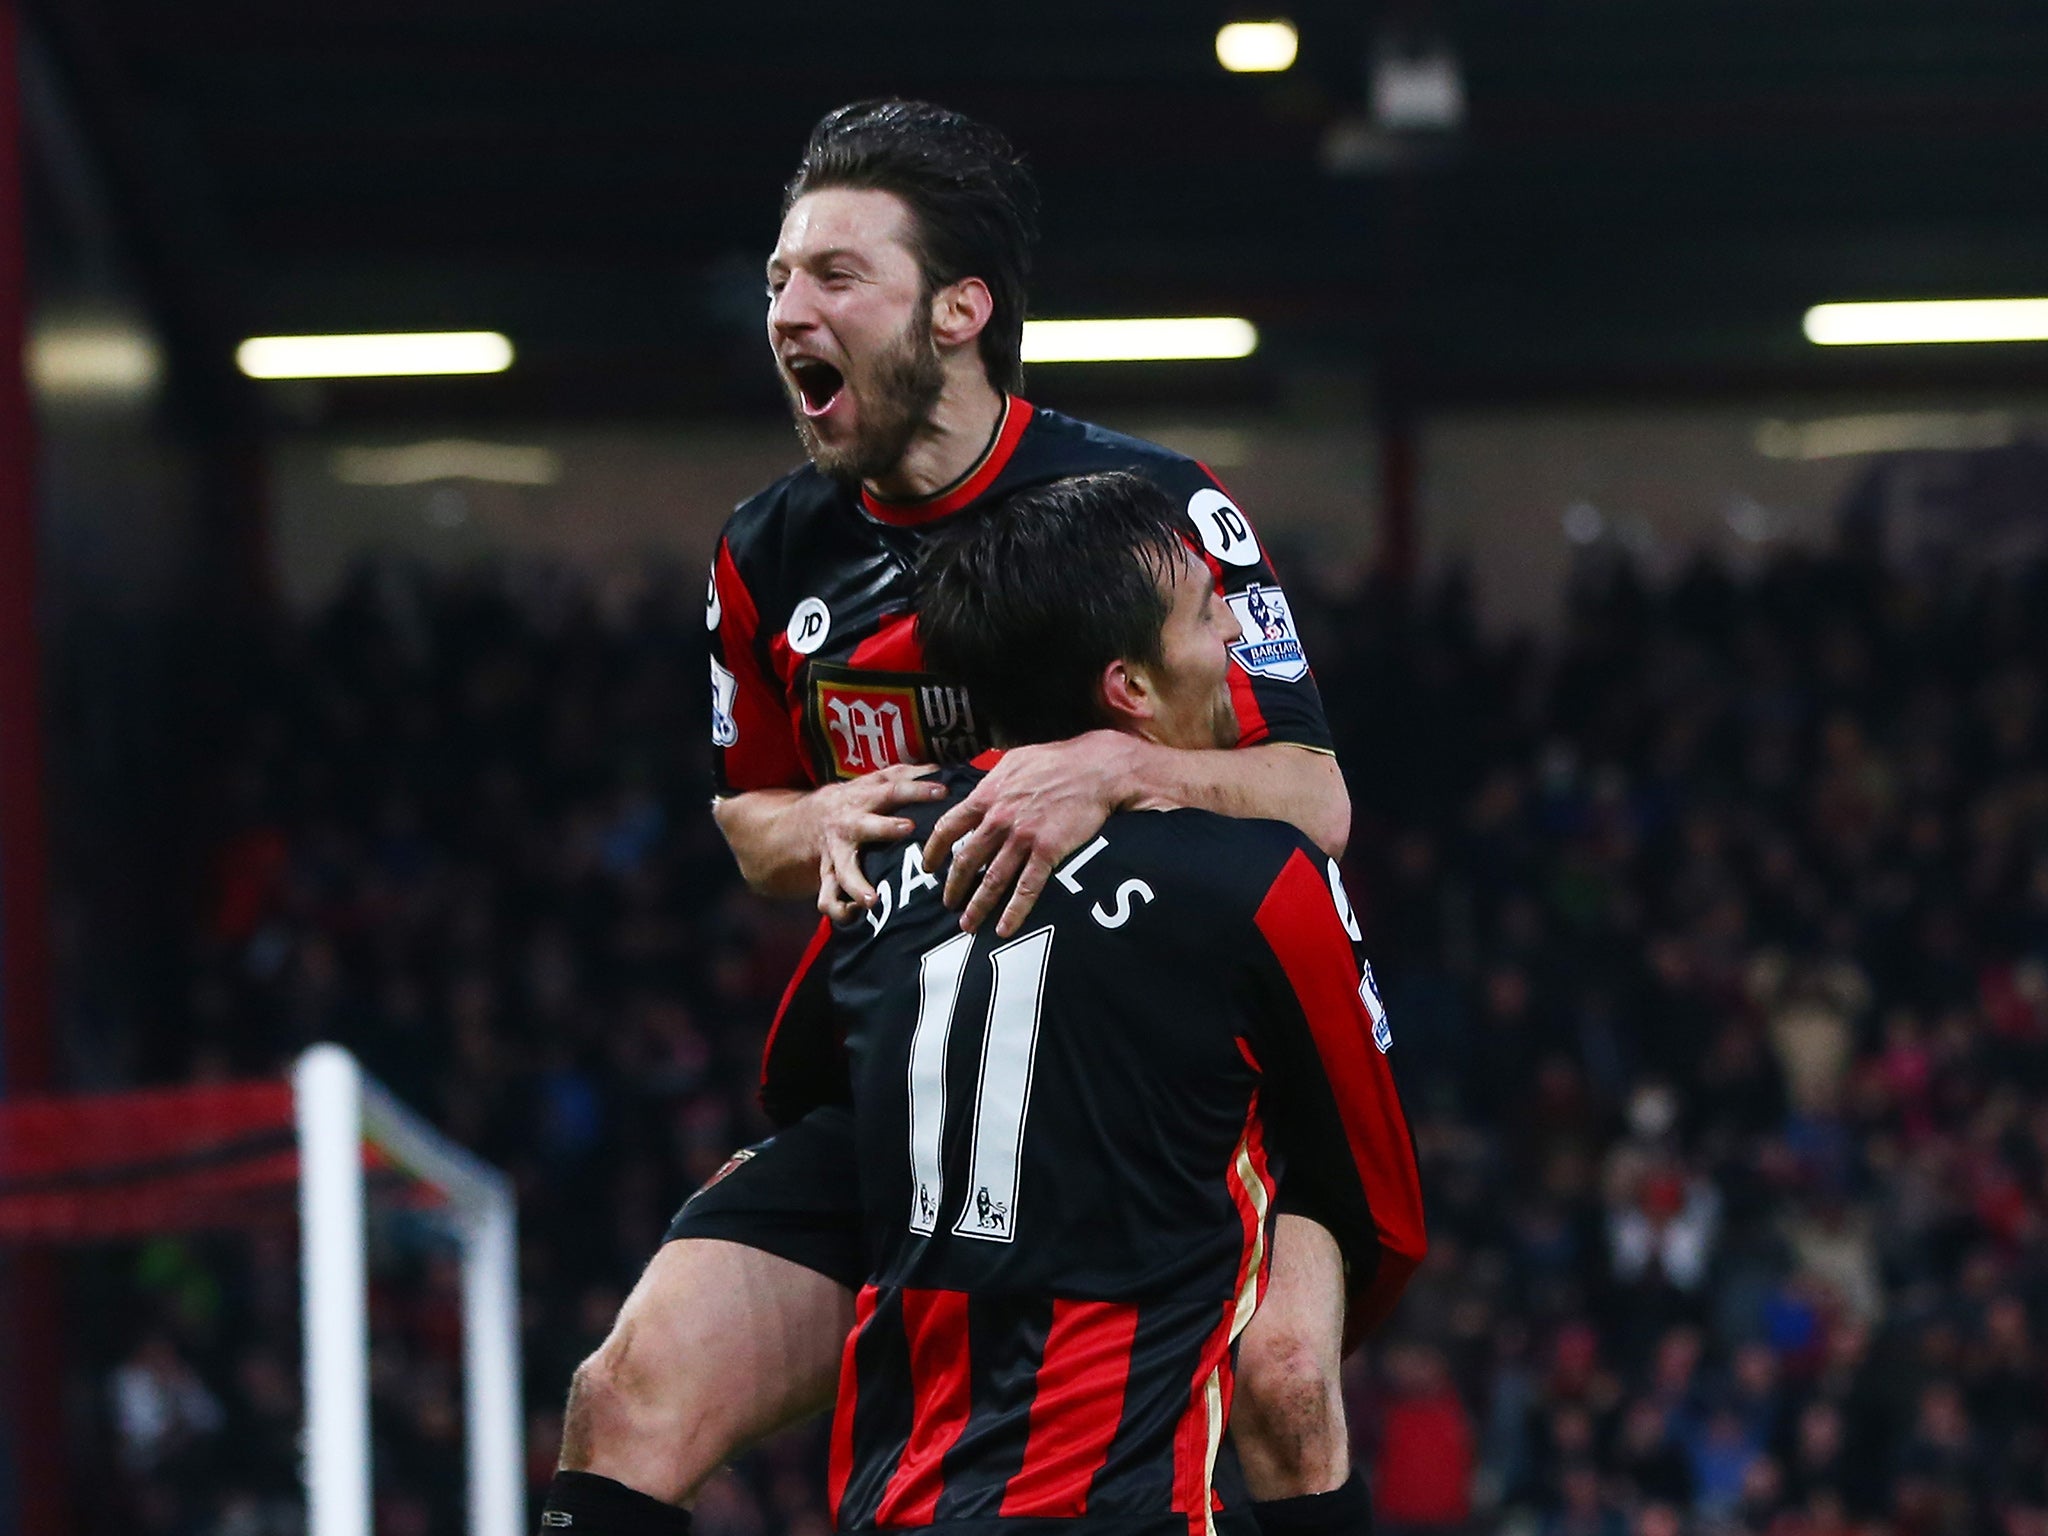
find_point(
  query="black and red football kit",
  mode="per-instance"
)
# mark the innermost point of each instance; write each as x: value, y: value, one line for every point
x: 1068, y: 1146
x: 816, y: 675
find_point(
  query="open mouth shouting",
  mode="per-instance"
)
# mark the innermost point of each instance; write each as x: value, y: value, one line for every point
x: 818, y: 384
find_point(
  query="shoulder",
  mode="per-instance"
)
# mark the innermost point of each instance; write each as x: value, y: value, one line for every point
x: 1223, y: 862
x: 1065, y: 445
x: 771, y: 519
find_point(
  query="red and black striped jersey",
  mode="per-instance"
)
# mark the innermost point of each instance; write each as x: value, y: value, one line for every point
x: 1068, y: 1144
x: 816, y: 673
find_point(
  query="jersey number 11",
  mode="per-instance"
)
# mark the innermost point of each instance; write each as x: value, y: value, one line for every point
x: 1001, y: 1099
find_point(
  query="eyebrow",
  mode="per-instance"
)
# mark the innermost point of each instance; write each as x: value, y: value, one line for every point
x: 816, y: 258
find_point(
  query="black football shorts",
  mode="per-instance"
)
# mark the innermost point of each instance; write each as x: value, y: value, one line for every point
x: 795, y: 1195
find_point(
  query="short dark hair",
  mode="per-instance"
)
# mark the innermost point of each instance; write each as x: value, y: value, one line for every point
x: 1025, y: 604
x: 973, y: 205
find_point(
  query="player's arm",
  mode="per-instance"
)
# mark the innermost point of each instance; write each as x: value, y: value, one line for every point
x: 1042, y: 802
x: 783, y: 832
x: 804, y: 1062
x: 1330, y: 1094
x: 788, y: 841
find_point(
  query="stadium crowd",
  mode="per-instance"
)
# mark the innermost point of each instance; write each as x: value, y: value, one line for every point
x: 1714, y: 937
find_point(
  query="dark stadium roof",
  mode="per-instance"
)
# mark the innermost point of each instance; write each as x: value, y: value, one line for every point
x: 1644, y: 197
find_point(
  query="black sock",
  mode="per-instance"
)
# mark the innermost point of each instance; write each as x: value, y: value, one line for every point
x: 584, y: 1504
x: 1345, y: 1510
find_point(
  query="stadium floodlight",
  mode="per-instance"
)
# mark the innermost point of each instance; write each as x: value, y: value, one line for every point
x: 396, y: 354
x: 97, y: 1167
x: 1138, y: 341
x: 1257, y: 47
x: 107, y: 359
x: 1920, y: 321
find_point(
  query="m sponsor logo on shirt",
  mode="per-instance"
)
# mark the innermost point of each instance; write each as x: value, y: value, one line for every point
x: 869, y: 727
x: 863, y: 721
x: 948, y: 717
x: 1270, y: 647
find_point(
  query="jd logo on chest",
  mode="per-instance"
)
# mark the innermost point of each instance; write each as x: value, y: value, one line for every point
x: 810, y: 626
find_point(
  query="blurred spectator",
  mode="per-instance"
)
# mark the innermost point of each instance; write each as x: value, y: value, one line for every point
x: 1422, y: 1474
x: 1653, y: 1467
x: 162, y: 1410
x: 1583, y: 1507
x: 1722, y: 1451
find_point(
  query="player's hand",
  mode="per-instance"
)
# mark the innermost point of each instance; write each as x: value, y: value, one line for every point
x: 856, y: 813
x: 1035, y: 807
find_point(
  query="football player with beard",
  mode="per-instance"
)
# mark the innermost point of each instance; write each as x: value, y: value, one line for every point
x: 896, y: 299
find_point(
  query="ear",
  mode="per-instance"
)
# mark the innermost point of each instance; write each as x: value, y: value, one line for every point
x: 1125, y: 693
x: 960, y: 311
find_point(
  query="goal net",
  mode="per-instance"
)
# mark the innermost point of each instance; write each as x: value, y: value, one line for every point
x: 97, y: 1168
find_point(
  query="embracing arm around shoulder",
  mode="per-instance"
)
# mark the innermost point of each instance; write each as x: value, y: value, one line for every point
x: 773, y: 835
x: 785, y: 840
x: 1275, y: 782
x: 1042, y: 802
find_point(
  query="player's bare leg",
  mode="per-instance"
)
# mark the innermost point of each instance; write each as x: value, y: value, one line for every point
x: 1287, y: 1420
x: 718, y: 1346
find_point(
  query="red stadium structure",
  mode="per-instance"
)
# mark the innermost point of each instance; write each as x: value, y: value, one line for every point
x: 244, y: 1156
x: 33, y: 1365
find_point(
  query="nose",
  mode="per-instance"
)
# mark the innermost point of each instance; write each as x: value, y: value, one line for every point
x: 1228, y: 622
x: 792, y: 310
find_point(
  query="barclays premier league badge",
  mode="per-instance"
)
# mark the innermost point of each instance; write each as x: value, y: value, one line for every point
x: 1270, y: 647
x: 1369, y: 994
x: 725, y: 729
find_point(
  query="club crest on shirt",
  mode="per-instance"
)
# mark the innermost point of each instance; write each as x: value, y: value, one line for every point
x: 725, y: 729
x: 1270, y: 647
x: 862, y: 721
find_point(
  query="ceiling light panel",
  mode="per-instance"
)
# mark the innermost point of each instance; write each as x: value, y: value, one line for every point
x: 1139, y: 341
x: 391, y: 355
x: 1257, y: 47
x: 1924, y: 321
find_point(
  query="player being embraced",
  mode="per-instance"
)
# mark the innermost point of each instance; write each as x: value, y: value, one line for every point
x: 896, y: 312
x: 1069, y: 1141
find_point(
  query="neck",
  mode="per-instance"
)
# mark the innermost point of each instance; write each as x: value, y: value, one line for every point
x: 954, y: 436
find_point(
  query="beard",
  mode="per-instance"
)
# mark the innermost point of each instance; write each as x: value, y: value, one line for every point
x: 902, y: 386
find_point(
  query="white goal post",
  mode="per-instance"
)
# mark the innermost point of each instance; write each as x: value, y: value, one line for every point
x: 338, y: 1108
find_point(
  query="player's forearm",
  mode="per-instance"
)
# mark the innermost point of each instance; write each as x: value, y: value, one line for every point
x: 774, y: 837
x: 1274, y: 782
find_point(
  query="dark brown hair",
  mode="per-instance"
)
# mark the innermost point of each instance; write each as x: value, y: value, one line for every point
x: 972, y: 202
x: 1025, y: 604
